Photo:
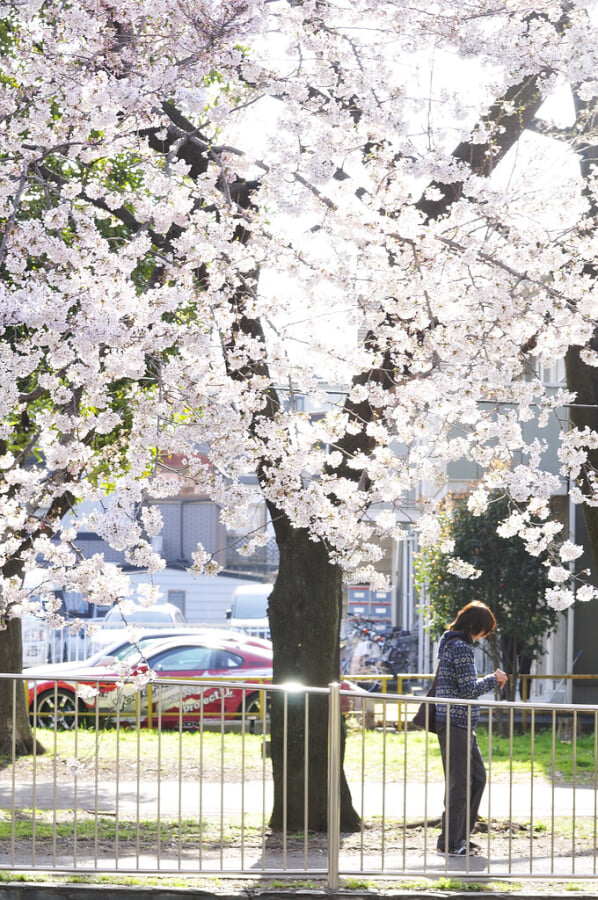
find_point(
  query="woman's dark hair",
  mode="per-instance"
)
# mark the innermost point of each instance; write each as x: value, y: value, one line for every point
x: 475, y: 618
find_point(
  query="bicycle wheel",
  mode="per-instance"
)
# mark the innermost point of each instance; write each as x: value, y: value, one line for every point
x: 372, y: 682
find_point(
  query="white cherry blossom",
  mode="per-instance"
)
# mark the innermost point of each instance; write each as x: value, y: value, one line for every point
x: 211, y: 209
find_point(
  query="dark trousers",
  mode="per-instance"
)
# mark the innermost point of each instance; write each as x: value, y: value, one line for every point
x: 459, y: 796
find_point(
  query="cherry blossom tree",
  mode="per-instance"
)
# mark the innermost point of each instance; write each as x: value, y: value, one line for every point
x: 205, y: 204
x: 510, y: 580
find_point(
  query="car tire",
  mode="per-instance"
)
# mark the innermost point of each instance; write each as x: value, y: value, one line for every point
x: 252, y: 706
x: 58, y: 709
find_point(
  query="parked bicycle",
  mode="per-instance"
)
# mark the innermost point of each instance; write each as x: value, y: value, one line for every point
x: 372, y: 649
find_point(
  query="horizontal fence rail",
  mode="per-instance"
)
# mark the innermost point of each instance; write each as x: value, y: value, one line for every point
x: 175, y: 776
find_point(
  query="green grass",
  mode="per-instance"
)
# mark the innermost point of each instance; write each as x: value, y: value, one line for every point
x: 546, y: 759
x: 455, y: 885
x: 377, y: 755
x: 167, y: 753
x: 46, y: 826
x: 211, y: 883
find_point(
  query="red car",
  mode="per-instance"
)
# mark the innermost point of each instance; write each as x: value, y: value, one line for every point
x: 64, y: 692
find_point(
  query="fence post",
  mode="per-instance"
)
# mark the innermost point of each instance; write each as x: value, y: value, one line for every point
x: 334, y: 796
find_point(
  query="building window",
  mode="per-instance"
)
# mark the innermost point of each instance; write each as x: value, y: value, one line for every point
x: 553, y: 375
x: 177, y: 598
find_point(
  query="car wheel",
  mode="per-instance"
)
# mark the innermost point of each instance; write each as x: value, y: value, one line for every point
x: 56, y: 709
x: 252, y: 706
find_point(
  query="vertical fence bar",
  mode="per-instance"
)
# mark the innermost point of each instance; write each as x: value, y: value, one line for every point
x: 180, y: 776
x: 138, y: 780
x: 531, y: 798
x: 334, y: 799
x: 426, y: 774
x: 13, y: 760
x: 552, y: 781
x: 405, y: 782
x: 54, y: 793
x: 489, y: 787
x: 447, y: 822
x: 158, y: 776
x: 574, y: 808
x: 75, y: 783
x: 263, y: 707
x: 34, y: 788
x: 468, y: 791
x: 201, y: 769
x: 222, y: 770
x: 595, y: 789
x: 362, y: 783
x: 117, y: 789
x: 511, y: 723
x: 243, y: 738
x: 96, y: 786
x: 285, y: 749
x: 383, y: 824
x: 306, y: 786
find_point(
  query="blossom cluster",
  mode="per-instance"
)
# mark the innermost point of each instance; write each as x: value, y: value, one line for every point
x: 211, y: 209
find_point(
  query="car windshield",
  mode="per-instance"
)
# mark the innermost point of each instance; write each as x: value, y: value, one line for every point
x: 131, y: 650
x: 122, y: 651
x: 146, y: 616
x: 251, y: 607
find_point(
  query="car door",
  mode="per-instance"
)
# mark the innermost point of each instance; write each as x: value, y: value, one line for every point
x: 187, y: 704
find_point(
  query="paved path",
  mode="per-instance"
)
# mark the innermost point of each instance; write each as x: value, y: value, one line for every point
x: 172, y: 798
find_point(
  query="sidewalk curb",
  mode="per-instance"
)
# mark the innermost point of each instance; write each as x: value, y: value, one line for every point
x: 41, y: 891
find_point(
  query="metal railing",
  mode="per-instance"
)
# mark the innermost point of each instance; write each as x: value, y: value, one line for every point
x: 43, y: 644
x: 192, y: 794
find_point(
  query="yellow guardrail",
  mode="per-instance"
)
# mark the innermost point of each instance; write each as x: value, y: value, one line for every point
x: 404, y: 686
x: 385, y: 678
x: 425, y: 678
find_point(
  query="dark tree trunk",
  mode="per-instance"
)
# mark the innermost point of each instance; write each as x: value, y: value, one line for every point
x: 510, y: 655
x: 14, y: 718
x: 583, y: 379
x: 305, y: 613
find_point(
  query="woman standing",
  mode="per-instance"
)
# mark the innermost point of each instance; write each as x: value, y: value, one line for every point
x: 458, y: 680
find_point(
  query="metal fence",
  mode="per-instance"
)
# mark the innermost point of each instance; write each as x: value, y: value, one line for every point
x: 180, y: 782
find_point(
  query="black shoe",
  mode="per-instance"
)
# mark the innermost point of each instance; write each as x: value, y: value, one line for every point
x: 458, y: 851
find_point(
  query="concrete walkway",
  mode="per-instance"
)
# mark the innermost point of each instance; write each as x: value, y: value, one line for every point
x: 174, y: 798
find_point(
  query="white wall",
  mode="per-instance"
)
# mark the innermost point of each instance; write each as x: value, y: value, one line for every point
x: 206, y: 598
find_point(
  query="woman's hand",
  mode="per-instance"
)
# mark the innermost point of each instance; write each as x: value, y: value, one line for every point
x: 501, y: 677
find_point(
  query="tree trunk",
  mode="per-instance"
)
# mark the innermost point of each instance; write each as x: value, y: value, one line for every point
x: 583, y: 379
x: 14, y: 719
x: 305, y: 612
x: 510, y: 655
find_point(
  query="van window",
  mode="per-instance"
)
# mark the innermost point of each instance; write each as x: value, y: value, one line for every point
x: 78, y: 607
x: 177, y: 598
x: 250, y: 607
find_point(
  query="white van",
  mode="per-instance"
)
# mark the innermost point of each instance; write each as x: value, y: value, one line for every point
x: 249, y: 609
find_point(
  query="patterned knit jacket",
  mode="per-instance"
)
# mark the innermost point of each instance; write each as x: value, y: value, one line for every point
x: 458, y: 678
